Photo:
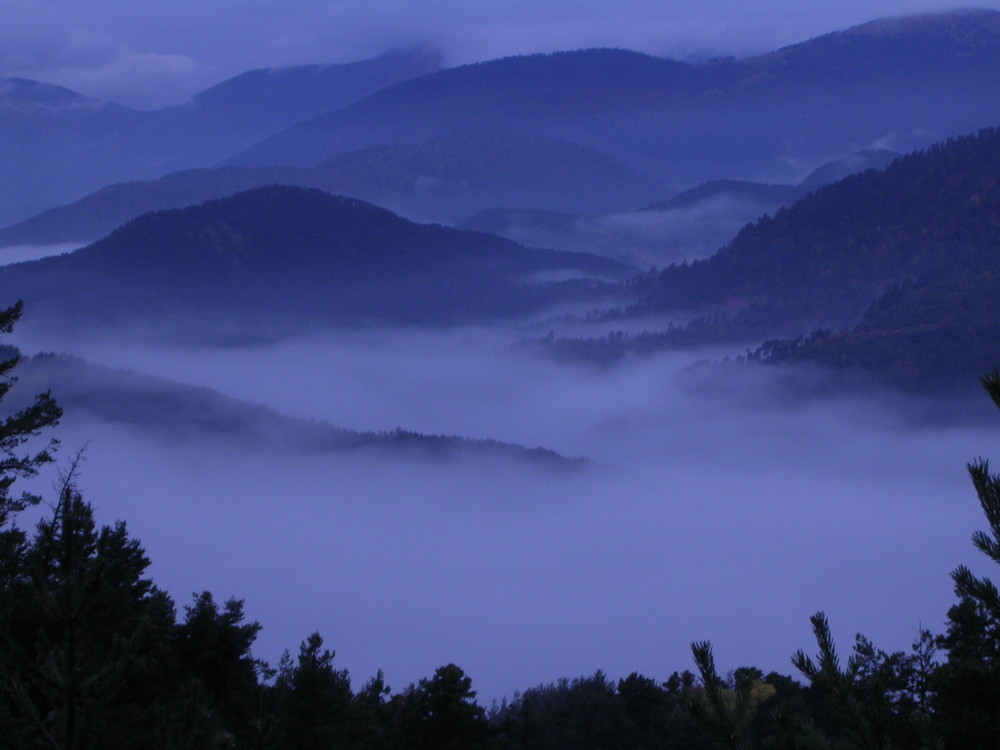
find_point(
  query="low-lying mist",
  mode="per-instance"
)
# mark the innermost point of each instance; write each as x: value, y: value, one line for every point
x: 714, y: 508
x: 648, y: 237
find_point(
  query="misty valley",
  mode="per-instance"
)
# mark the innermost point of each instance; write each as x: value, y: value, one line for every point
x: 588, y: 399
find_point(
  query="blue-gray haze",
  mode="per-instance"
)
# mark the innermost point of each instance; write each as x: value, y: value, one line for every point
x: 715, y: 509
x: 157, y: 53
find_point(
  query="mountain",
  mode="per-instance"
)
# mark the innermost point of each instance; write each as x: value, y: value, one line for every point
x: 60, y: 145
x: 266, y: 98
x: 826, y: 258
x: 777, y: 195
x: 939, y: 331
x: 278, y: 256
x: 99, y: 213
x: 742, y: 190
x: 691, y: 225
x: 48, y: 133
x: 872, y: 158
x: 768, y: 118
x: 468, y: 170
x: 20, y: 94
x: 232, y: 115
x: 915, y: 245
x: 176, y: 413
x: 771, y: 118
x: 443, y: 179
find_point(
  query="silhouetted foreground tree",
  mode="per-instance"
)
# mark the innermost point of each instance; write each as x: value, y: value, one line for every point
x: 967, y: 686
x: 17, y: 429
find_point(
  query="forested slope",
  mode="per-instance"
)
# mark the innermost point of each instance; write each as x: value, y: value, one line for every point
x: 901, y: 264
x: 299, y: 256
x: 826, y: 258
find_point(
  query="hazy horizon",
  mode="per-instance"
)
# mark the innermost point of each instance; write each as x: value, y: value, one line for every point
x: 724, y: 500
x: 152, y: 55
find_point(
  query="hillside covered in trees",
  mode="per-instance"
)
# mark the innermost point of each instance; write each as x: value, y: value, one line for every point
x: 924, y: 233
x: 826, y: 258
x: 302, y: 258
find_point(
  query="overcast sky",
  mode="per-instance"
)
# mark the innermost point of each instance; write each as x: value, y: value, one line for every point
x: 151, y: 52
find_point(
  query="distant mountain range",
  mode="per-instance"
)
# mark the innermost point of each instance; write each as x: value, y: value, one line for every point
x: 915, y: 245
x: 179, y: 413
x: 59, y: 145
x: 898, y: 83
x: 445, y: 179
x: 278, y: 256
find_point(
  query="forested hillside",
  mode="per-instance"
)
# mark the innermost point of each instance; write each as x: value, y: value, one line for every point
x: 923, y: 232
x: 175, y: 413
x: 826, y: 258
x: 930, y: 332
x: 290, y: 256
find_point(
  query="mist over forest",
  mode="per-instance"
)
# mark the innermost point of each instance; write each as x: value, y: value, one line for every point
x: 551, y: 367
x: 698, y: 495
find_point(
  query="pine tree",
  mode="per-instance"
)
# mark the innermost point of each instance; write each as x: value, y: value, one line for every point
x: 84, y: 649
x: 967, y: 687
x: 16, y: 430
x: 314, y: 699
x: 987, y: 485
x: 441, y: 713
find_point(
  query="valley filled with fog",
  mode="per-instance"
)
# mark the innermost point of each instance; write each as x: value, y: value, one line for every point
x: 581, y: 361
x: 719, y: 502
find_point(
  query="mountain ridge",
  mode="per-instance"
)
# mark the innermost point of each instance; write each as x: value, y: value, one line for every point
x: 174, y: 412
x: 301, y: 253
x: 443, y: 179
x: 548, y: 94
x: 82, y: 145
x: 894, y: 271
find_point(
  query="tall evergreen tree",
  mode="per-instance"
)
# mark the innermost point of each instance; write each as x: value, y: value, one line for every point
x: 441, y: 713
x: 213, y: 647
x: 84, y: 656
x: 16, y: 430
x: 314, y: 700
x: 967, y: 687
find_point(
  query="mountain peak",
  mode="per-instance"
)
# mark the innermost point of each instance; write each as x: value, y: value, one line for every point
x: 963, y: 46
x: 331, y: 85
x: 957, y: 24
x: 301, y: 255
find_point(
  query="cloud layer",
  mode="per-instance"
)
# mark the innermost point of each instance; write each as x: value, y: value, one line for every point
x: 157, y: 53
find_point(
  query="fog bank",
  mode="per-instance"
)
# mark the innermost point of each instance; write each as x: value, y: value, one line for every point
x: 714, y: 509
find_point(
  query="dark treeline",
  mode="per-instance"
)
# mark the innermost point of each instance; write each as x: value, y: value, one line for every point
x: 94, y: 655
